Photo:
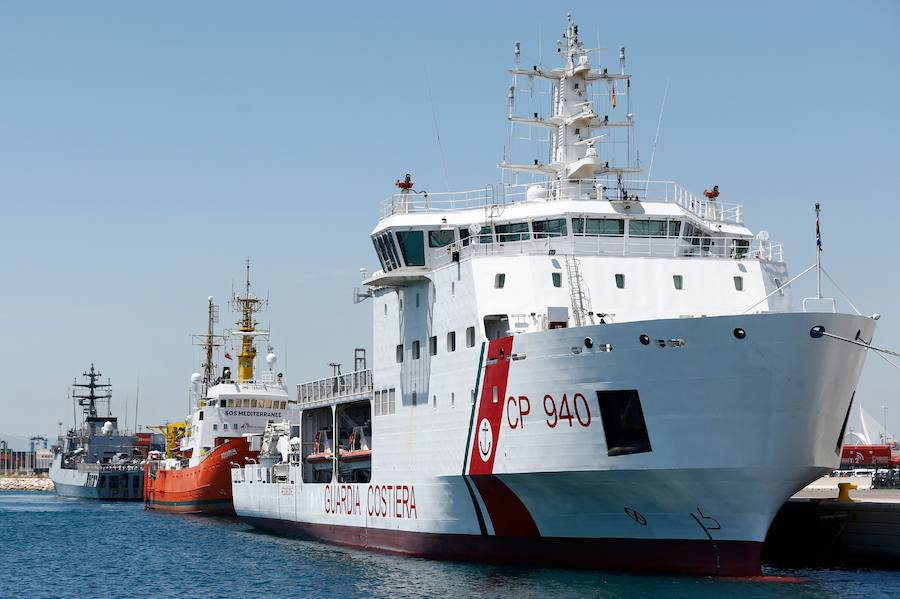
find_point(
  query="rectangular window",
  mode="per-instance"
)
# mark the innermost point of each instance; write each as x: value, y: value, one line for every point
x: 464, y: 236
x: 739, y: 283
x: 414, y: 398
x: 400, y: 353
x: 391, y: 406
x: 377, y: 409
x: 740, y: 247
x: 392, y: 250
x: 614, y: 227
x: 555, y: 227
x: 252, y: 403
x: 512, y: 232
x: 412, y: 246
x: 620, y: 281
x: 557, y: 279
x: 438, y: 239
x: 201, y: 415
x: 647, y: 228
x: 623, y: 422
x: 224, y: 403
x: 380, y: 251
x: 499, y: 280
x: 679, y: 282
x: 674, y: 228
x: 451, y: 341
x: 434, y: 402
x: 470, y: 339
x: 215, y: 427
x: 486, y: 235
x: 225, y: 426
x: 432, y: 346
x: 415, y: 350
x: 453, y: 402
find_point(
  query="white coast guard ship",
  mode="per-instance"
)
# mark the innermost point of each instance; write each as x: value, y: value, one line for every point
x: 589, y: 371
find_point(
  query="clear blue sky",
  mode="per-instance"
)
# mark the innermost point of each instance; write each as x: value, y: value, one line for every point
x: 146, y: 149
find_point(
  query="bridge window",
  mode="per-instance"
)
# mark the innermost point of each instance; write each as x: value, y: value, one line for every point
x: 400, y: 354
x: 451, y: 341
x: 512, y: 232
x: 549, y: 228
x: 438, y: 239
x: 647, y: 228
x: 470, y: 337
x: 380, y: 251
x: 415, y: 350
x: 614, y: 227
x: 679, y: 281
x: 412, y: 246
x: 739, y: 283
x: 557, y: 279
x: 620, y: 281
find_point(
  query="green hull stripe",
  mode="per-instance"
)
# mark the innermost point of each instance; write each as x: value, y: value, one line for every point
x: 474, y: 403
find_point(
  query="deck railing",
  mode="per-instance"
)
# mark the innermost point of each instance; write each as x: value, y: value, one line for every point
x: 499, y: 195
x: 733, y: 248
x: 335, y: 387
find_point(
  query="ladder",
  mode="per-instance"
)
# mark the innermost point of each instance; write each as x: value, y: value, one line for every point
x: 581, y: 301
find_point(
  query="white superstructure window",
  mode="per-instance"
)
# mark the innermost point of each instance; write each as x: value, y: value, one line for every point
x: 400, y: 354
x: 549, y: 228
x: 678, y: 281
x: 614, y: 227
x: 620, y: 281
x: 215, y: 427
x: 225, y: 426
x: 451, y: 341
x: 499, y: 280
x: 557, y: 279
x: 470, y: 337
x: 432, y: 345
x: 391, y: 405
x: 415, y: 350
x: 453, y: 400
x: 739, y: 283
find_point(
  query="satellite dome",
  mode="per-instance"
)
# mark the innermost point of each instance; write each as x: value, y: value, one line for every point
x: 271, y: 358
x: 210, y: 298
x: 474, y: 229
x: 196, y: 377
x: 763, y: 235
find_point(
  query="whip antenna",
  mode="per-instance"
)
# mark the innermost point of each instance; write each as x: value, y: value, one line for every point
x: 656, y: 139
x: 437, y: 133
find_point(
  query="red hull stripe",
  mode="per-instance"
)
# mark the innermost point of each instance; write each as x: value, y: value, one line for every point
x: 509, y: 515
x: 490, y: 407
x: 658, y: 556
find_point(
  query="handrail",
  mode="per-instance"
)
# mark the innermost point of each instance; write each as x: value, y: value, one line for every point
x: 606, y: 190
x: 733, y: 248
x: 335, y: 387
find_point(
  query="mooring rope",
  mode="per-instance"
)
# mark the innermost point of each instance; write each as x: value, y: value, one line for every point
x: 819, y: 331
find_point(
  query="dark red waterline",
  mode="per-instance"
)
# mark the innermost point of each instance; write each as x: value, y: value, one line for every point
x: 644, y: 556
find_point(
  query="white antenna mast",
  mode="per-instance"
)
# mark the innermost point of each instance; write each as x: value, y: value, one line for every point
x: 656, y: 139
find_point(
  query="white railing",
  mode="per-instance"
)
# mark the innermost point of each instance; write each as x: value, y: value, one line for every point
x: 335, y: 387
x: 609, y: 190
x: 599, y: 245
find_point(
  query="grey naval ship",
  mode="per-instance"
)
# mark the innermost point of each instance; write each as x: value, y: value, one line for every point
x: 96, y: 460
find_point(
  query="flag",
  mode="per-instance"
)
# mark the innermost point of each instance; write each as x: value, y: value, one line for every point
x: 818, y: 233
x: 614, y: 95
x: 227, y: 356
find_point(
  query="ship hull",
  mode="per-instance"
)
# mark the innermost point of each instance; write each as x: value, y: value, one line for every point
x: 740, y: 412
x: 663, y: 556
x: 201, y: 489
x: 113, y: 485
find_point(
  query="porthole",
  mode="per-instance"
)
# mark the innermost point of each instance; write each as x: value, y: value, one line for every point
x: 588, y: 342
x: 645, y: 340
x: 740, y: 333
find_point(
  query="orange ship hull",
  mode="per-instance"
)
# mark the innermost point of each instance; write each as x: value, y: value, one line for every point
x: 201, y: 489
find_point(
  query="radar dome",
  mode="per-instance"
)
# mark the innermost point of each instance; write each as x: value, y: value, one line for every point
x: 210, y: 298
x: 271, y: 359
x: 196, y: 377
x: 763, y: 235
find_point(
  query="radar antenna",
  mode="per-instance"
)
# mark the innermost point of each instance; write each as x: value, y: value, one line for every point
x: 88, y: 399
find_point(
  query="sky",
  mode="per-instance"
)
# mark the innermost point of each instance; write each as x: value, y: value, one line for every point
x: 147, y: 149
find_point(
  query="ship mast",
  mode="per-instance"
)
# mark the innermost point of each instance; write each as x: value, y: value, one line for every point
x: 248, y: 305
x: 582, y: 144
x: 209, y: 342
x: 89, y: 400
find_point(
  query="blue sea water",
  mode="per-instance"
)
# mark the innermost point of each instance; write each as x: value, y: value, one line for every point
x: 56, y: 547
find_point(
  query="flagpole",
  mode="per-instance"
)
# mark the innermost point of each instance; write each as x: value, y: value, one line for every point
x: 818, y: 255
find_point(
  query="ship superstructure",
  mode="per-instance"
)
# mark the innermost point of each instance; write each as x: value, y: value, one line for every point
x: 96, y: 460
x: 589, y: 370
x: 194, y: 476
